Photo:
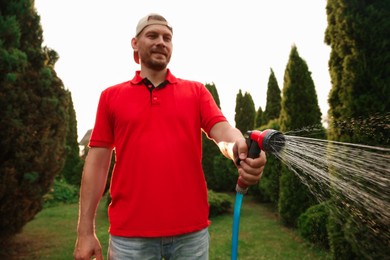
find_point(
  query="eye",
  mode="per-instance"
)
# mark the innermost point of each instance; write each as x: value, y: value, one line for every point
x: 152, y: 35
x: 167, y: 38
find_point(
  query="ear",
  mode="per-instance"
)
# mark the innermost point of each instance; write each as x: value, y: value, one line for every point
x: 134, y: 44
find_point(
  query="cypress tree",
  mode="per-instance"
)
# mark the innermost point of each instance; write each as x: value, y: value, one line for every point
x: 359, y: 64
x: 274, y: 98
x: 359, y: 68
x: 73, y: 163
x: 239, y: 110
x: 225, y: 174
x: 269, y: 185
x: 33, y: 107
x: 209, y: 149
x: 299, y: 109
x: 245, y: 112
x: 259, y: 117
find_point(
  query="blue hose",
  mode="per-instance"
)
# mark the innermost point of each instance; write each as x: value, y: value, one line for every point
x: 236, y: 224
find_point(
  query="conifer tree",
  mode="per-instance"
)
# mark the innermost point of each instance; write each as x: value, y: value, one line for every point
x: 245, y: 116
x: 299, y: 109
x: 33, y: 116
x: 269, y: 185
x: 73, y: 163
x: 274, y: 98
x: 239, y: 109
x: 359, y: 68
x: 359, y: 64
x: 245, y: 112
x: 209, y: 149
x: 225, y: 174
x: 259, y: 117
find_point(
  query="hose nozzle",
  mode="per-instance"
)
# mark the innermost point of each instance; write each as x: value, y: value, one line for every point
x: 269, y: 140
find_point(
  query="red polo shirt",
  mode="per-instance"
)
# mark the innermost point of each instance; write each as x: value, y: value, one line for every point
x: 158, y: 186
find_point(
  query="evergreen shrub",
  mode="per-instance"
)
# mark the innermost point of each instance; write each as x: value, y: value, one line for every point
x: 61, y: 192
x: 220, y: 203
x: 312, y: 225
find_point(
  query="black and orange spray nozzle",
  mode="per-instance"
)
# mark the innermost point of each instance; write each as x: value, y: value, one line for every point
x: 269, y: 140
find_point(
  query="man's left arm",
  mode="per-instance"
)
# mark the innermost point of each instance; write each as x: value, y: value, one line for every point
x: 232, y: 144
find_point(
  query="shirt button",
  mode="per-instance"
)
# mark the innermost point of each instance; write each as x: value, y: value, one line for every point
x: 155, y: 100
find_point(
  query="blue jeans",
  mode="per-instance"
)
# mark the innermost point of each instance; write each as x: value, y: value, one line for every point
x: 194, y: 246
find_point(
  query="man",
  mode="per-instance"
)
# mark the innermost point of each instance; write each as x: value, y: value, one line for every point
x: 159, y: 207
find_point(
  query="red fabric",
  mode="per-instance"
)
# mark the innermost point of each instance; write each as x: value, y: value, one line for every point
x: 158, y: 186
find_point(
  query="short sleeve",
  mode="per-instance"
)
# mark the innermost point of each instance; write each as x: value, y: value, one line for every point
x: 102, y: 133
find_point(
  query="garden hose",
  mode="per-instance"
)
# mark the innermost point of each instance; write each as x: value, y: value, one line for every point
x: 269, y: 141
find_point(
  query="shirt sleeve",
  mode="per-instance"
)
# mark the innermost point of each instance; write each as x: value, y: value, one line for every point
x: 210, y: 112
x: 102, y: 133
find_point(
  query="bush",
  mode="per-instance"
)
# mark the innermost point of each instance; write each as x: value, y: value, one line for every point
x: 312, y: 225
x: 269, y: 183
x: 224, y: 175
x: 61, y: 192
x: 219, y: 203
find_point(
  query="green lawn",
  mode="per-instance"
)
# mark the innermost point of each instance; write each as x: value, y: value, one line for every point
x: 52, y: 234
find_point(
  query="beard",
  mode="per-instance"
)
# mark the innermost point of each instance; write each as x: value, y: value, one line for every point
x: 155, y: 64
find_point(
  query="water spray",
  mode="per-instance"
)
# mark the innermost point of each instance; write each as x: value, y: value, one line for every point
x: 351, y: 180
x: 269, y: 140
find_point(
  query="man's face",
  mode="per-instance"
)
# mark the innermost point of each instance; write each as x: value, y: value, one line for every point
x: 154, y: 45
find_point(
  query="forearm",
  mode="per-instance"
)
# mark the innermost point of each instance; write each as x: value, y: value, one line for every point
x: 92, y: 187
x: 225, y: 136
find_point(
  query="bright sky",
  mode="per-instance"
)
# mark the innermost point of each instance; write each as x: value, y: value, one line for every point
x: 232, y: 44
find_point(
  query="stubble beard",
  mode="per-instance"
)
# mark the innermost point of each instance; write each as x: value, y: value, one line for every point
x: 155, y: 64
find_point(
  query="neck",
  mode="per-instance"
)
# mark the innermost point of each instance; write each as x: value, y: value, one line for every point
x: 156, y: 77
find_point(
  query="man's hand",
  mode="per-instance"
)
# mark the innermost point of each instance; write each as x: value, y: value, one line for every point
x: 249, y: 169
x: 87, y: 247
x: 233, y: 145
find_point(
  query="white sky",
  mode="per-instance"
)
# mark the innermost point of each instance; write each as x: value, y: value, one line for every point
x: 233, y: 44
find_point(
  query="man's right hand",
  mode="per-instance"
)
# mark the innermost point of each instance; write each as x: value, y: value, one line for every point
x: 92, y: 187
x: 87, y: 247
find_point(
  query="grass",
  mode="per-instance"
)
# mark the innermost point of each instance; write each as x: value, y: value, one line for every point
x: 52, y: 235
x: 261, y: 236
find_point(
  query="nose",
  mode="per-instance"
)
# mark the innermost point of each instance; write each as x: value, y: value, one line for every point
x: 160, y: 40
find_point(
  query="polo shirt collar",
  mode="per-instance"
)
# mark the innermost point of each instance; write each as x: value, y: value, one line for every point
x: 139, y: 80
